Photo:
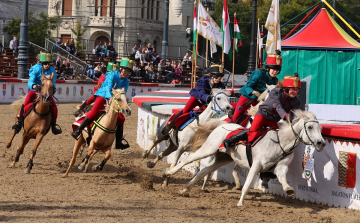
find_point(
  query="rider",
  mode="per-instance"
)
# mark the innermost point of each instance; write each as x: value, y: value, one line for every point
x: 34, y: 84
x: 200, y: 95
x: 277, y: 106
x: 117, y: 80
x: 89, y: 101
x: 257, y: 85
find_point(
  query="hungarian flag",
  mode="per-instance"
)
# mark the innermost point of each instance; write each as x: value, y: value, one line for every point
x: 237, y: 35
x: 225, y: 28
x: 195, y: 32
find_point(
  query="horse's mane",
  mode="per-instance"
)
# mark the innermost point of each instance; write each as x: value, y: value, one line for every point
x: 214, y: 91
x: 253, y: 109
x: 298, y: 115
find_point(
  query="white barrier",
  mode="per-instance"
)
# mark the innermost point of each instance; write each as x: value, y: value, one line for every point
x: 316, y: 176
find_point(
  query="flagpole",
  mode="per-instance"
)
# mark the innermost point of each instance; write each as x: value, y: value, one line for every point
x: 233, y: 73
x: 257, y: 49
x: 207, y: 45
x: 195, y: 67
x: 192, y: 84
x: 275, y: 36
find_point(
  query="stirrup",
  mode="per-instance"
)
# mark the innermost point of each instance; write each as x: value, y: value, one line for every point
x: 17, y: 127
x: 123, y: 146
x: 76, y: 137
x: 78, y: 112
x: 56, y: 129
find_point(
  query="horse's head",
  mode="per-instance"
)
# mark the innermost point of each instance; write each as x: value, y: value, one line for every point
x: 310, y: 132
x: 119, y: 101
x: 220, y: 100
x: 47, y: 87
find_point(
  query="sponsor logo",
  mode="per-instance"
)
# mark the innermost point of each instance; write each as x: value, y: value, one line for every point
x: 347, y: 169
x: 91, y: 91
x: 59, y: 90
x: 12, y: 90
x: 22, y: 91
x: 352, y: 196
x: 308, y: 164
x: 74, y: 90
x: 67, y: 90
x: 81, y: 90
x: 4, y: 89
x: 149, y: 89
x: 307, y: 188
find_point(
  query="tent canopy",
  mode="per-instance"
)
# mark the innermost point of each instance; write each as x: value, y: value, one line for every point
x: 321, y: 33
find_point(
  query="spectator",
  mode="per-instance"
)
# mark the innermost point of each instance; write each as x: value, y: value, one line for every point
x: 161, y: 69
x: 1, y: 46
x: 149, y: 47
x: 59, y: 43
x: 63, y: 67
x: 145, y: 52
x: 111, y: 50
x: 57, y: 62
x: 14, y: 44
x: 103, y: 68
x: 57, y: 69
x: 133, y: 52
x: 98, y: 50
x: 67, y: 43
x: 139, y: 57
x: 142, y: 70
x: 91, y: 73
x: 97, y: 70
x: 149, y: 71
x: 72, y: 47
x: 154, y: 56
x: 176, y: 81
x: 104, y: 50
x: 135, y: 71
x: 169, y: 72
x: 178, y: 72
x: 187, y: 60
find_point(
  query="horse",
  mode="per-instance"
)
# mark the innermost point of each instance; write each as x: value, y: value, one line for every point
x: 273, y: 153
x: 104, y: 136
x: 180, y: 139
x: 37, y: 123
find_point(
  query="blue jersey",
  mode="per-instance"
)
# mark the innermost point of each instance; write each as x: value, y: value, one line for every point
x: 112, y: 80
x: 35, y: 75
x: 203, y: 89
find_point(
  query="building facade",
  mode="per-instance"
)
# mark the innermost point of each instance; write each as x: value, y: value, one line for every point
x: 136, y: 22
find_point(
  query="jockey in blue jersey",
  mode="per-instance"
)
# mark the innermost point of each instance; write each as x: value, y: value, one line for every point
x: 200, y: 95
x: 116, y: 80
x: 34, y: 83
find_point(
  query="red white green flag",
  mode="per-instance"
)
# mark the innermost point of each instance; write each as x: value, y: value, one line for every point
x: 225, y: 28
x: 195, y: 32
x: 237, y: 35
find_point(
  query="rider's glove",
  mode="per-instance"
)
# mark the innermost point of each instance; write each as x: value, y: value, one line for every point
x: 256, y: 93
x: 34, y: 86
x: 286, y: 117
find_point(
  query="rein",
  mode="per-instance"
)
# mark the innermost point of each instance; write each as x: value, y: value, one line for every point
x: 218, y: 110
x: 40, y: 114
x: 120, y: 110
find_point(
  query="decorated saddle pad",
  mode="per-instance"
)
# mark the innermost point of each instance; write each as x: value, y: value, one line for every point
x: 79, y: 120
x: 231, y: 134
x: 185, y: 119
x: 259, y: 136
x: 28, y: 108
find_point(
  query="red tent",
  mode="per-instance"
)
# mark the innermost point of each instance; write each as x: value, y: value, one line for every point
x: 322, y: 32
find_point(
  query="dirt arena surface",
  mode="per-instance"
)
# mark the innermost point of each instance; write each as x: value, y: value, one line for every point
x: 126, y: 190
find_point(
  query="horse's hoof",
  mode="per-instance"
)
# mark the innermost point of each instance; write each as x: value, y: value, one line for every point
x: 145, y: 154
x: 27, y: 171
x: 239, y: 204
x: 165, y: 183
x: 8, y: 145
x: 81, y: 167
x: 95, y: 168
x: 150, y: 164
x: 163, y: 173
x: 238, y: 187
x: 12, y: 165
x: 290, y: 191
x: 182, y: 192
x: 64, y: 175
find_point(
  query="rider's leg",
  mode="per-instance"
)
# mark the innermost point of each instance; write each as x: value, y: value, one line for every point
x: 120, y: 133
x: 83, y: 106
x: 258, y: 123
x: 232, y: 140
x: 19, y: 124
x: 190, y: 105
x: 241, y: 107
x: 55, y: 128
x: 99, y: 104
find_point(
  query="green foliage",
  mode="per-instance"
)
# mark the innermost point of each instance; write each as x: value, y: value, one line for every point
x: 39, y: 28
x: 79, y: 45
x: 288, y: 10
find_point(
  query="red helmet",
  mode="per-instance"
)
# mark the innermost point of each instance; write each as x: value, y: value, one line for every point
x: 274, y: 61
x: 292, y: 81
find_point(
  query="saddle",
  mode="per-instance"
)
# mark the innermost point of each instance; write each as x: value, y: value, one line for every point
x: 185, y: 119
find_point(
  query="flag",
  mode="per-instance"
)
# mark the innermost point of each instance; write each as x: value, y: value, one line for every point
x: 207, y: 26
x: 237, y: 35
x: 213, y: 48
x: 259, y: 43
x: 225, y: 28
x: 272, y: 21
x: 195, y: 34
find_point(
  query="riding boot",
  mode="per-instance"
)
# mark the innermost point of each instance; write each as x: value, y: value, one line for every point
x: 167, y: 129
x: 81, y: 109
x: 55, y: 128
x: 119, y: 138
x: 19, y: 124
x: 235, y: 138
x: 78, y: 131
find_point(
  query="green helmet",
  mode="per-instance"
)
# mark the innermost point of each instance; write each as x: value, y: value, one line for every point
x: 110, y: 66
x: 46, y: 57
x: 126, y: 63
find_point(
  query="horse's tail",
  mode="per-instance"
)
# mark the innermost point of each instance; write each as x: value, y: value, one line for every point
x: 16, y: 105
x: 202, y: 133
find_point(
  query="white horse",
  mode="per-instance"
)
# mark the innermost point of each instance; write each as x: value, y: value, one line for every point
x: 180, y: 139
x: 273, y: 153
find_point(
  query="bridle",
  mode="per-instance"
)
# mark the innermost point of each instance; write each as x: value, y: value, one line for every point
x: 216, y: 107
x: 46, y: 98
x: 119, y: 110
x: 297, y: 137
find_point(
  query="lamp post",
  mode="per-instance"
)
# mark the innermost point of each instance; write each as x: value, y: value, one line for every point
x: 252, y: 57
x: 166, y: 30
x: 23, y: 57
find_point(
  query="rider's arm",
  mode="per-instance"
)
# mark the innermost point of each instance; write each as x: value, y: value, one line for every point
x: 275, y: 97
x: 201, y: 87
x: 252, y: 82
x: 32, y: 78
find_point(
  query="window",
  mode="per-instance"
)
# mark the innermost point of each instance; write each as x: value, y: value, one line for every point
x: 103, y: 9
x: 187, y: 21
x: 96, y: 8
x: 111, y: 7
x: 65, y: 37
x: 142, y: 8
x: 157, y: 9
x: 67, y: 7
x: 148, y: 10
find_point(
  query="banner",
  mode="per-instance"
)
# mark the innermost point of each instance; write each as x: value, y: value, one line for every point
x: 272, y: 23
x: 207, y: 27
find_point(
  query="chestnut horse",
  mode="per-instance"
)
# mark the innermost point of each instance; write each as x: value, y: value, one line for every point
x: 37, y: 123
x: 103, y: 136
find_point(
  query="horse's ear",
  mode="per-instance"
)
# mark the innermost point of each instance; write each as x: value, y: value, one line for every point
x: 43, y: 76
x: 113, y: 91
x: 52, y: 76
x: 122, y: 89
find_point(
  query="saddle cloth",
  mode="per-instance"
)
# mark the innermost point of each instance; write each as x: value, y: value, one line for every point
x: 29, y: 107
x: 185, y: 119
x: 245, y: 143
x: 79, y: 120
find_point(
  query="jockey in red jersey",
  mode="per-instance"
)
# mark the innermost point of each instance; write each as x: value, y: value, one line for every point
x: 35, y: 75
x: 89, y: 101
x: 257, y: 85
x: 116, y: 80
x: 277, y: 106
x: 200, y: 95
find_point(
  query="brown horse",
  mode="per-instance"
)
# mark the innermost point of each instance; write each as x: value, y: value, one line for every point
x: 104, y: 133
x: 37, y: 123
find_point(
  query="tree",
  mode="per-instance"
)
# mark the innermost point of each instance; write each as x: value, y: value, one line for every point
x: 39, y: 28
x: 79, y: 45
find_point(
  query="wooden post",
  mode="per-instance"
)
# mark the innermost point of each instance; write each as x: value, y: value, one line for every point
x: 207, y: 45
x: 275, y: 37
x: 195, y: 66
x: 192, y: 84
x: 257, y: 48
x: 233, y: 73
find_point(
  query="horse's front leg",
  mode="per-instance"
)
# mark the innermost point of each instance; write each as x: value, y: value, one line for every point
x: 252, y: 173
x: 25, y: 139
x: 94, y: 151
x: 235, y: 174
x: 8, y: 144
x: 280, y: 171
x: 77, y: 146
x: 171, y: 148
x: 155, y: 143
x: 101, y: 165
x: 39, y: 138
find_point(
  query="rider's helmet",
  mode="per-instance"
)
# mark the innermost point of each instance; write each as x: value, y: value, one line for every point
x: 274, y: 61
x: 126, y: 63
x: 110, y: 66
x: 216, y: 71
x: 292, y: 81
x: 45, y: 58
